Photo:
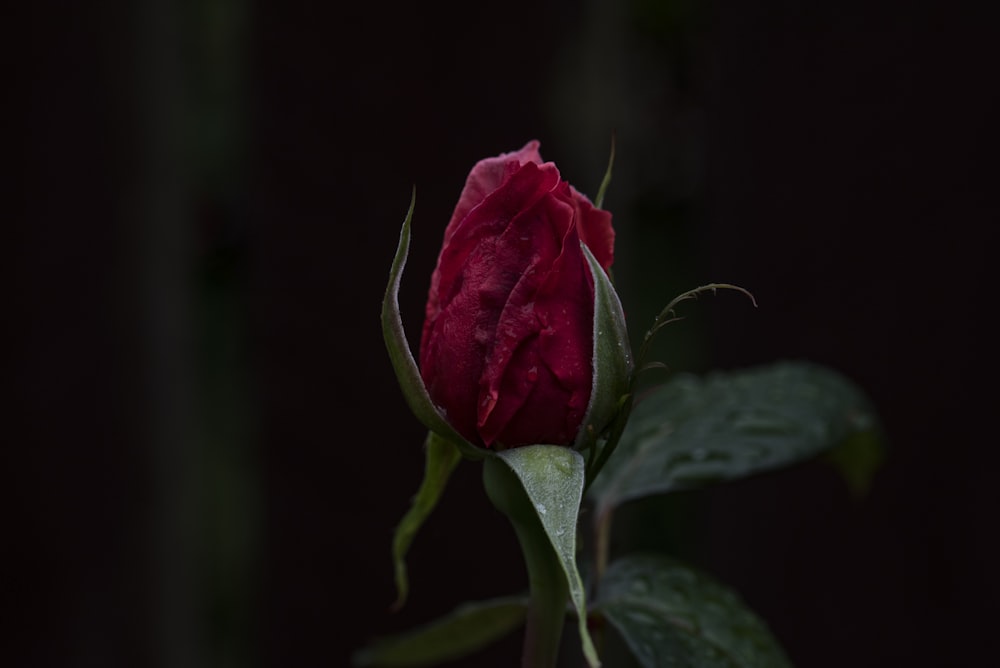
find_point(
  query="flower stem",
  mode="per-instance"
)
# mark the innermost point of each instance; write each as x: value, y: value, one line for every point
x: 549, y: 591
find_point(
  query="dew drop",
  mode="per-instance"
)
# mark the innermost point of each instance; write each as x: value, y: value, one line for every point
x: 540, y: 507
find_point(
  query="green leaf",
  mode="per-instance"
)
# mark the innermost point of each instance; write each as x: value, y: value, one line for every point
x: 441, y: 457
x: 858, y: 458
x: 552, y: 477
x: 692, y: 431
x: 612, y: 361
x: 671, y: 615
x: 464, y: 631
x: 402, y: 359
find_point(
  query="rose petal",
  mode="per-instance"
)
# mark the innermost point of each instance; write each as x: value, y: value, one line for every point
x: 486, y: 176
x: 595, y: 229
x: 507, y: 348
x: 536, y: 236
x: 540, y: 390
x: 461, y: 319
x: 489, y: 219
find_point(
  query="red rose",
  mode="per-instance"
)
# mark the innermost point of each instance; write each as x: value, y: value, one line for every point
x: 507, y: 345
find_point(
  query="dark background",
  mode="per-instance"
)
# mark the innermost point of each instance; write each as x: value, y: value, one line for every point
x: 207, y: 448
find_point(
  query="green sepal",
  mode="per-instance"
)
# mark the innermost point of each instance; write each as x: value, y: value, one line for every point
x: 671, y: 615
x: 606, y: 181
x: 440, y: 459
x: 544, y: 495
x: 402, y: 360
x: 612, y: 358
x: 465, y: 630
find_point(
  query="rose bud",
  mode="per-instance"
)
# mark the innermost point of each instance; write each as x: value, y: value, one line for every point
x: 508, y: 350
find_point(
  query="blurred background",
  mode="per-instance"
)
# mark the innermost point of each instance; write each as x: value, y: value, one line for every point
x: 207, y: 450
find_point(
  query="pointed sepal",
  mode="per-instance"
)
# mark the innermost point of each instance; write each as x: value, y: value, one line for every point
x: 441, y: 457
x: 402, y: 360
x: 612, y: 358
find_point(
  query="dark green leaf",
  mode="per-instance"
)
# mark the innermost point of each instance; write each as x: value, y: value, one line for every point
x: 671, y: 615
x: 692, y: 431
x: 858, y: 458
x: 466, y: 630
x: 441, y: 457
x: 402, y: 359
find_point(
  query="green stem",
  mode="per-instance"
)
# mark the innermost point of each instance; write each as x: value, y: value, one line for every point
x: 549, y: 591
x: 547, y: 607
x: 602, y: 543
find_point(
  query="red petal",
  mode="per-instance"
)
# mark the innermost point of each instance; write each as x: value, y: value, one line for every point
x: 595, y: 229
x: 486, y: 176
x: 542, y: 387
x: 535, y: 237
x: 468, y: 294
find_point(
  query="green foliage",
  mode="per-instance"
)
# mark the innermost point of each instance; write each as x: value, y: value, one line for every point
x: 466, y: 630
x: 858, y: 458
x: 671, y: 615
x: 693, y: 431
x: 686, y: 434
